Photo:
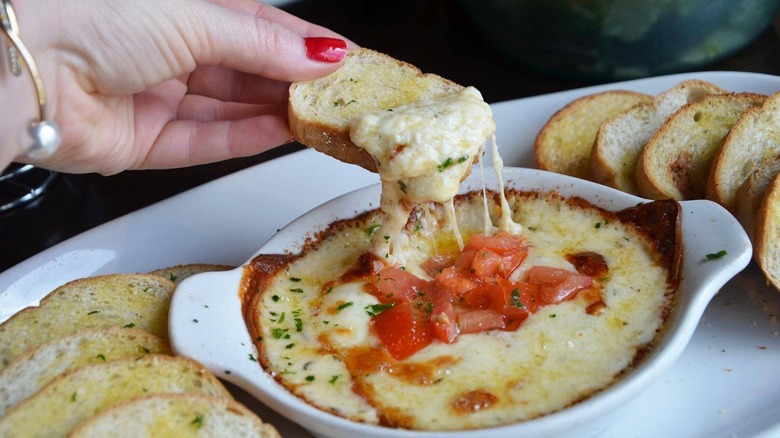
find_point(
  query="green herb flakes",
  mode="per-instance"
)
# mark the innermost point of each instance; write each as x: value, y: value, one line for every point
x: 376, y: 309
x: 716, y: 255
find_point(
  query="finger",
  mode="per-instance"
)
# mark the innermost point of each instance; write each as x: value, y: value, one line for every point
x: 275, y: 15
x: 241, y: 41
x: 186, y: 142
x: 206, y: 109
x: 235, y: 86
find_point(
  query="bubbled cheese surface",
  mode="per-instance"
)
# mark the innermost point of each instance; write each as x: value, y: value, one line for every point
x: 312, y: 333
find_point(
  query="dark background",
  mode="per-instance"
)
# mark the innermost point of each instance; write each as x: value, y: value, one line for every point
x: 434, y: 35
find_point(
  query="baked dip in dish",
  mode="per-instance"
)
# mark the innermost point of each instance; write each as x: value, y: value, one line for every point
x: 329, y: 341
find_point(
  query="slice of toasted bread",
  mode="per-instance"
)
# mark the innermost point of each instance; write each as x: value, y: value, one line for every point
x: 179, y: 272
x: 621, y: 138
x: 321, y: 110
x: 124, y: 300
x: 751, y: 193
x: 754, y: 137
x: 564, y: 143
x: 766, y: 250
x: 176, y: 415
x: 77, y: 395
x: 676, y: 161
x: 34, y: 369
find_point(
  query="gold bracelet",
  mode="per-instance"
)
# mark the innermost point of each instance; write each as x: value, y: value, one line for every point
x: 45, y: 134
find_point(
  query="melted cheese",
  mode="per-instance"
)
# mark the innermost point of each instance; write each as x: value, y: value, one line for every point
x: 559, y: 356
x: 423, y: 151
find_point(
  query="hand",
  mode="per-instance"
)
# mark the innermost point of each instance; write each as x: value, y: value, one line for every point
x: 156, y: 84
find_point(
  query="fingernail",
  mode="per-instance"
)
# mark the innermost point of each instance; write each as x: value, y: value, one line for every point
x: 324, y: 49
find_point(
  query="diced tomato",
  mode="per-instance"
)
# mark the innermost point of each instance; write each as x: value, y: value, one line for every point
x: 480, y: 320
x: 444, y: 322
x: 481, y: 296
x: 565, y: 290
x: 528, y: 296
x: 452, y: 280
x: 402, y: 330
x: 501, y: 243
x: 396, y: 284
x: 486, y: 264
x: 547, y: 276
x: 464, y: 260
x: 435, y: 264
x: 511, y: 261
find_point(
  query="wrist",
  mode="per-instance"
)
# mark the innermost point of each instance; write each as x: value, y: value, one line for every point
x: 26, y: 128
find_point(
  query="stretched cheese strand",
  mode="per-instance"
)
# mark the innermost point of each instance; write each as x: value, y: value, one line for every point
x: 423, y: 151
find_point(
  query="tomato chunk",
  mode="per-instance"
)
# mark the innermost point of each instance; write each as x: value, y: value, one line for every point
x: 435, y: 264
x: 565, y: 290
x: 402, y: 330
x: 486, y: 264
x: 502, y: 243
x: 395, y: 284
x: 444, y: 322
x: 480, y: 320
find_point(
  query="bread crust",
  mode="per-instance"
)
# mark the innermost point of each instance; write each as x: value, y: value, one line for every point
x: 767, y: 235
x: 676, y: 161
x: 368, y: 81
x: 622, y: 137
x: 564, y: 143
x: 755, y: 137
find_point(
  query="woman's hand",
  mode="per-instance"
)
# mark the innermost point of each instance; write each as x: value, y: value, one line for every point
x: 157, y: 84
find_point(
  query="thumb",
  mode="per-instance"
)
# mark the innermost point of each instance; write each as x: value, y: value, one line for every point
x: 267, y: 45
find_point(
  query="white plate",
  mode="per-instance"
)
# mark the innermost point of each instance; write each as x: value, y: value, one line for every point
x: 725, y: 384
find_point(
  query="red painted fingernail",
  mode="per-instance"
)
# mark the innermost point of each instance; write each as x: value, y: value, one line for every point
x: 325, y: 49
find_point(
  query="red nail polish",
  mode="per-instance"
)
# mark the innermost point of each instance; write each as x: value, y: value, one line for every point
x: 325, y: 49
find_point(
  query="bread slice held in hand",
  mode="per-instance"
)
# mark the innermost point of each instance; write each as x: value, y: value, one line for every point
x: 754, y: 138
x: 320, y: 110
x: 564, y: 143
x: 75, y: 396
x: 176, y: 415
x: 621, y: 138
x: 29, y: 372
x: 676, y: 161
x: 123, y: 300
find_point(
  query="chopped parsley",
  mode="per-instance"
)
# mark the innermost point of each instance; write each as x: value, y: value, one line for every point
x: 333, y: 379
x: 198, y: 421
x: 343, y: 306
x: 296, y: 290
x: 309, y: 378
x: 449, y: 162
x: 716, y: 255
x: 101, y: 357
x: 252, y: 357
x: 372, y: 229
x: 280, y: 333
x: 93, y: 312
x: 295, y: 279
x: 275, y: 298
x: 514, y: 299
x: 130, y: 325
x: 376, y: 309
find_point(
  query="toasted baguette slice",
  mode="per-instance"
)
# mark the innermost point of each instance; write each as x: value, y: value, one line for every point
x: 676, y: 161
x: 751, y: 193
x: 179, y: 272
x: 621, y: 138
x: 34, y: 369
x: 176, y: 415
x: 766, y: 250
x: 755, y: 137
x: 132, y: 300
x: 564, y: 143
x: 321, y: 110
x: 77, y: 395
